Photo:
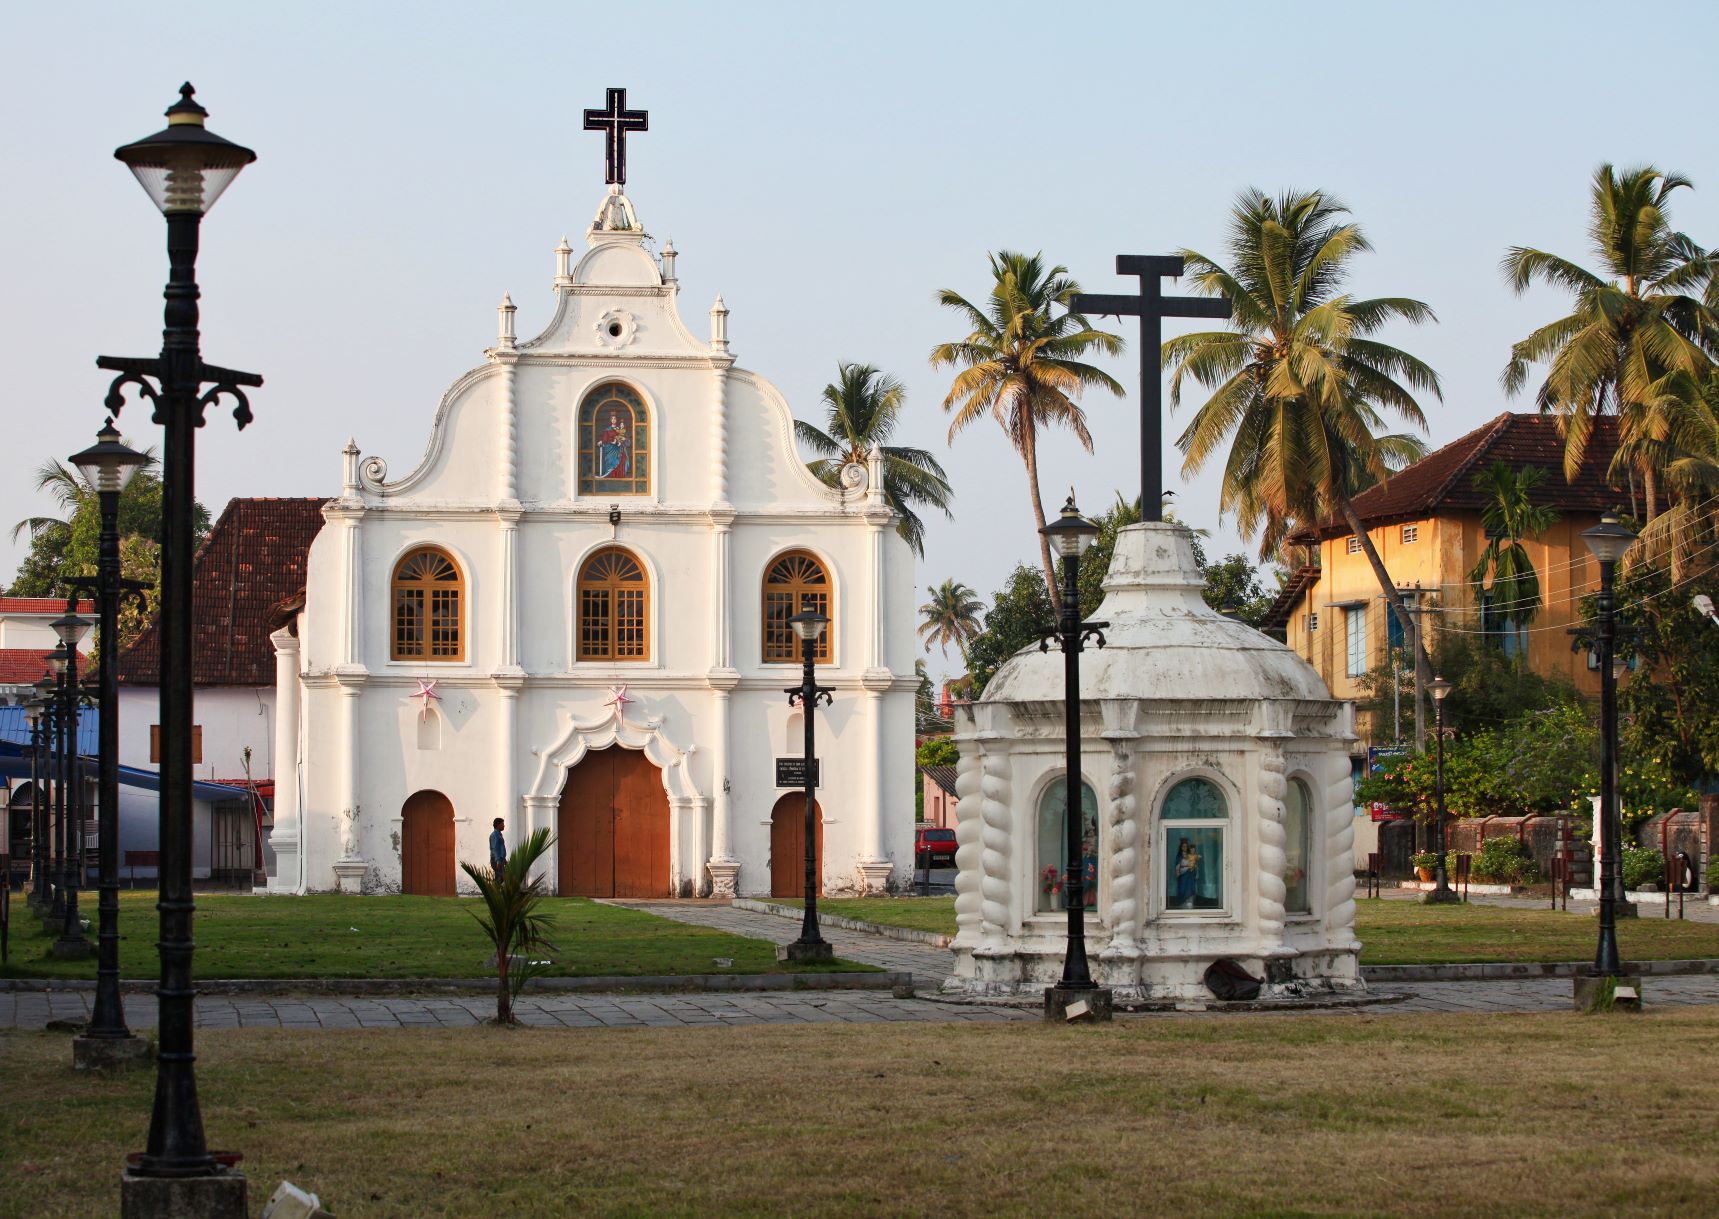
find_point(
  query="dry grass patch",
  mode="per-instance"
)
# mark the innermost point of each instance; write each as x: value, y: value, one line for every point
x: 1339, y: 1114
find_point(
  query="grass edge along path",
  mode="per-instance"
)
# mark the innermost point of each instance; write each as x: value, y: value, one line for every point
x: 1397, y: 931
x: 344, y: 936
x: 1502, y: 1115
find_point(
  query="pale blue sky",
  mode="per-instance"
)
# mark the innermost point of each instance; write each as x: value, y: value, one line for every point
x: 826, y: 168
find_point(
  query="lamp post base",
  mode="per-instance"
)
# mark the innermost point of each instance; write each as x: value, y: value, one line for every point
x: 71, y: 950
x: 216, y: 1195
x: 1067, y: 1006
x: 107, y: 1053
x: 1624, y: 909
x: 799, y: 950
x: 1603, y: 993
x: 1440, y: 897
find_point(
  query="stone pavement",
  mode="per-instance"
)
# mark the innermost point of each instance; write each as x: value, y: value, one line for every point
x: 928, y: 965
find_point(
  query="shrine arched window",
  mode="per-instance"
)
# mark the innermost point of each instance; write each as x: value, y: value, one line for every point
x: 1298, y: 848
x: 795, y: 581
x: 428, y: 600
x: 1053, y: 847
x: 1193, y: 825
x: 614, y: 608
x: 614, y: 442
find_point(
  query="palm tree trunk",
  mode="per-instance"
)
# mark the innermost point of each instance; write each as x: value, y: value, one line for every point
x: 1650, y: 490
x: 1411, y: 626
x: 503, y: 996
x: 1030, y: 455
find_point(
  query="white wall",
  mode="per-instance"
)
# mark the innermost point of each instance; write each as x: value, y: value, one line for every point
x: 232, y: 718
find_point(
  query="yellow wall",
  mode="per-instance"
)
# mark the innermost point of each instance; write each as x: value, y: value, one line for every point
x: 1438, y: 563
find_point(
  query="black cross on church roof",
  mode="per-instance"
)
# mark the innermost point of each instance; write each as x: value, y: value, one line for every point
x: 615, y: 120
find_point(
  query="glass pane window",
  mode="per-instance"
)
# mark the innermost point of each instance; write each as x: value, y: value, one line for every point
x: 795, y: 582
x: 1355, y: 623
x: 1297, y: 829
x: 1195, y: 820
x: 1053, y: 846
x: 428, y: 595
x: 614, y: 608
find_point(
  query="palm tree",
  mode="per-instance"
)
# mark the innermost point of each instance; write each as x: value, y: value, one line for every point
x: 1640, y: 321
x: 69, y: 492
x: 1297, y: 380
x: 1021, y: 364
x: 864, y: 407
x: 951, y: 617
x: 511, y: 919
x: 1509, y: 515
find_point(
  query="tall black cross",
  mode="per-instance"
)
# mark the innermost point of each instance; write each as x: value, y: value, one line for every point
x: 615, y: 120
x: 1151, y: 307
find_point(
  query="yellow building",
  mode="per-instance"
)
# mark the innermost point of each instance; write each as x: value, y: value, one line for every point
x: 1426, y: 525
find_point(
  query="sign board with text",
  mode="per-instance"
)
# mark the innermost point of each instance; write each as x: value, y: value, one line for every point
x: 791, y: 772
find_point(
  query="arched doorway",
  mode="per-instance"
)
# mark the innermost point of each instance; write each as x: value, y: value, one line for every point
x: 613, y: 827
x: 788, y: 846
x: 427, y: 845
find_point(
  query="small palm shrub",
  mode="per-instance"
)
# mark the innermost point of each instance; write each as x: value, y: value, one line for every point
x: 511, y: 919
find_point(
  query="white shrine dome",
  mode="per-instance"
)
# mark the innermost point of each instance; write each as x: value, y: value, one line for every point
x: 1163, y: 641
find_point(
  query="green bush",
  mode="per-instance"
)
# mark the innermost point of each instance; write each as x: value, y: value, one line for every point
x: 1505, y: 861
x: 1713, y: 874
x: 1642, y: 866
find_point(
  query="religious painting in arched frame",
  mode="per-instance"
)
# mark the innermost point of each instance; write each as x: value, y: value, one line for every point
x: 614, y: 442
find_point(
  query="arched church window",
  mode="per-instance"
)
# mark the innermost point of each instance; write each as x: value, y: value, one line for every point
x: 614, y: 608
x: 1053, y: 846
x: 1194, y: 826
x: 614, y: 443
x: 1298, y: 846
x: 428, y: 597
x: 796, y: 581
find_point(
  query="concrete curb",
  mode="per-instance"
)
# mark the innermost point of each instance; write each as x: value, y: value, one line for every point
x: 1504, y: 971
x: 935, y: 939
x: 901, y: 984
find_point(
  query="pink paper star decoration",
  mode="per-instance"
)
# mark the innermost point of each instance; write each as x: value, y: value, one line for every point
x: 426, y: 691
x: 618, y: 699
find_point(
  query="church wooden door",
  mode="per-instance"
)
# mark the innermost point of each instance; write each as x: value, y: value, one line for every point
x: 613, y: 827
x: 427, y: 845
x: 788, y: 846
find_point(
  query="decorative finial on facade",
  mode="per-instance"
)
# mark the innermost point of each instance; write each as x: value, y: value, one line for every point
x: 719, y: 325
x: 349, y: 469
x: 669, y: 253
x: 874, y: 476
x: 563, y: 264
x: 504, y: 321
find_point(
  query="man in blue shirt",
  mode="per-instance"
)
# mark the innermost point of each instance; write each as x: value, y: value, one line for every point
x: 497, y: 848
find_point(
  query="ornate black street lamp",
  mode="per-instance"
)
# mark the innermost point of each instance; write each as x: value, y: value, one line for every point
x: 1070, y: 535
x: 57, y: 660
x: 183, y: 168
x: 809, y: 626
x: 1608, y: 540
x: 39, y: 900
x: 1441, y: 892
x: 71, y: 629
x: 107, y: 466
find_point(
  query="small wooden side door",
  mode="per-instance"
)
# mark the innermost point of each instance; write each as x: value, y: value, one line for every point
x: 788, y: 846
x: 427, y: 845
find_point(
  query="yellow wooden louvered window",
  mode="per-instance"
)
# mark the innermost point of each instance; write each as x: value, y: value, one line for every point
x: 614, y: 608
x: 795, y: 582
x: 429, y: 594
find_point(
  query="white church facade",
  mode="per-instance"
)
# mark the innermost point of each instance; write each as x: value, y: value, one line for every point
x: 572, y: 614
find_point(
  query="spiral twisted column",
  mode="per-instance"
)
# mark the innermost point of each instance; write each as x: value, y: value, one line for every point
x: 1271, y: 859
x: 1124, y: 853
x: 1339, y: 850
x: 994, y: 840
x: 969, y: 826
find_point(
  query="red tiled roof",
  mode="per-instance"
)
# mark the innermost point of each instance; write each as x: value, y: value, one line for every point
x: 253, y: 559
x: 26, y: 666
x: 1444, y: 479
x: 41, y: 605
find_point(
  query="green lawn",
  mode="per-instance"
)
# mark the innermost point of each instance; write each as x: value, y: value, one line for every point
x: 1280, y: 1116
x: 1400, y: 932
x: 335, y: 936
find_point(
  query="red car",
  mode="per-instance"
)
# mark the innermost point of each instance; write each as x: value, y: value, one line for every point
x: 939, y: 844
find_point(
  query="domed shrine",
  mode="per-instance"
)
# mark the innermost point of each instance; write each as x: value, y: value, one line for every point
x: 1215, y: 791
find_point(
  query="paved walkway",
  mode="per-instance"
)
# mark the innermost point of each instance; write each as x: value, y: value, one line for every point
x: 928, y: 965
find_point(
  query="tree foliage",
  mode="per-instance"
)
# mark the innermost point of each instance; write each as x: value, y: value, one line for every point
x: 1509, y: 515
x: 951, y: 616
x: 1667, y: 705
x: 863, y: 407
x: 1021, y: 363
